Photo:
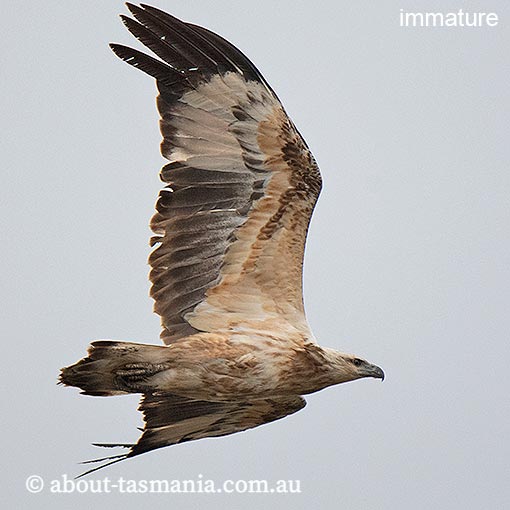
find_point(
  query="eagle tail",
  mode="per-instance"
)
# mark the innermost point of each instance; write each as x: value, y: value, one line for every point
x: 114, y: 368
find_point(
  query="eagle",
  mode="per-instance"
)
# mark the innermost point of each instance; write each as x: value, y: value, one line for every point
x: 229, y: 236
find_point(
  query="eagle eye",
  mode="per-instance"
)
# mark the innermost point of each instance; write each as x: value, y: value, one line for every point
x: 357, y: 362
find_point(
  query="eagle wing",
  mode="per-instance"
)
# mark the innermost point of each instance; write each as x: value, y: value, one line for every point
x: 241, y: 185
x: 170, y: 419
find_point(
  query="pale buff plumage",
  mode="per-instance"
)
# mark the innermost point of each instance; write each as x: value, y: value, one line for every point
x: 230, y: 231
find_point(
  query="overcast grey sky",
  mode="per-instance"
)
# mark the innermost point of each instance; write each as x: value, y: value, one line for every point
x: 407, y: 264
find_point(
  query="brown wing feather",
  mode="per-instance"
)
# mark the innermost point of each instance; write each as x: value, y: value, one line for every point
x: 170, y: 419
x: 241, y: 186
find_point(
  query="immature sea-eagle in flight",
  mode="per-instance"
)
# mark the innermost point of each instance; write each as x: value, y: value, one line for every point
x: 230, y: 232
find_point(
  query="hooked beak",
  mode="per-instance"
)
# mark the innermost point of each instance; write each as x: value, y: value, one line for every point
x: 373, y: 371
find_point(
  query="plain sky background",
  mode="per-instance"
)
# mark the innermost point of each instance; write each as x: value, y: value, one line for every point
x: 407, y: 263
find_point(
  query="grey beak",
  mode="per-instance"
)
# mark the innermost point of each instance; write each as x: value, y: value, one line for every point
x: 373, y: 371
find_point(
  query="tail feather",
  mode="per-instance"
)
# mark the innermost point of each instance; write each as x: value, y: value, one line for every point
x: 113, y: 368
